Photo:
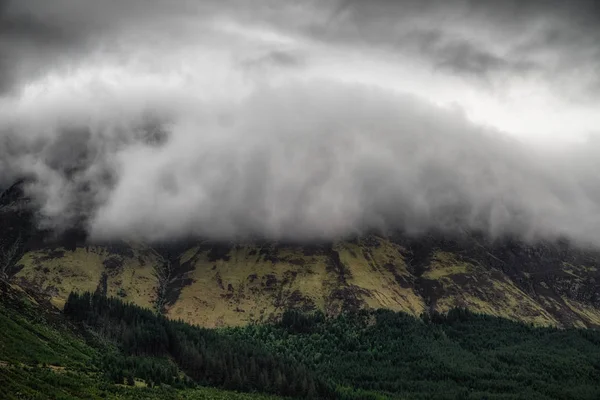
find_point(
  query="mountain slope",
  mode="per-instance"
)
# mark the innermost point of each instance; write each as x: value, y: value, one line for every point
x: 45, y: 356
x: 215, y: 283
x: 97, y: 342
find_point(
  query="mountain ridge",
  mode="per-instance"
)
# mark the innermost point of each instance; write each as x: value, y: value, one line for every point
x: 215, y: 283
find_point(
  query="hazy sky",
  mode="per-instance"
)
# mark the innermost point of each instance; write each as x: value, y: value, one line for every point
x: 304, y: 119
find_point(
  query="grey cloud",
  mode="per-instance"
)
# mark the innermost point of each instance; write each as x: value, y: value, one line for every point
x: 282, y: 58
x: 23, y: 39
x: 461, y: 56
x: 478, y: 39
x: 316, y: 160
x: 29, y: 29
x: 300, y: 158
x: 275, y: 58
x: 37, y: 36
x: 453, y: 34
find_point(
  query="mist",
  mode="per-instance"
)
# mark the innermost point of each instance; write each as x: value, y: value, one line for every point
x: 303, y: 120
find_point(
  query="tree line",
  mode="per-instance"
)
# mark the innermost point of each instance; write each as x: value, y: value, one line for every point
x: 369, y: 354
x: 146, y: 340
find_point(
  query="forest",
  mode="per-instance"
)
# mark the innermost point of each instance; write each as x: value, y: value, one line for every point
x: 456, y: 355
x: 366, y: 354
x: 105, y: 348
x: 205, y: 356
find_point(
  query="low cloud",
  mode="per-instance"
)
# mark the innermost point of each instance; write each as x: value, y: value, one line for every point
x: 242, y: 122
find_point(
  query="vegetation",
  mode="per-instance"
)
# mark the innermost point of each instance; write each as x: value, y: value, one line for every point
x: 43, y: 356
x: 111, y: 349
x: 46, y: 383
x: 254, y: 282
x: 458, y: 355
x: 205, y: 356
x: 31, y: 336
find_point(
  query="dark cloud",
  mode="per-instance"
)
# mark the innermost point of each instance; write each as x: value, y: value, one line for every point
x: 37, y: 36
x: 24, y: 37
x: 461, y: 56
x: 26, y: 28
x: 276, y: 58
x: 474, y: 38
x: 479, y: 39
x: 282, y: 58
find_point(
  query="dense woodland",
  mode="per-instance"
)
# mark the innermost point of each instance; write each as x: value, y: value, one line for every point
x: 109, y: 349
x: 205, y: 356
x: 364, y: 354
x: 458, y: 355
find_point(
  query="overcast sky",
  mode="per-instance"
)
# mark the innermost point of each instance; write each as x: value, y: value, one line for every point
x: 304, y: 119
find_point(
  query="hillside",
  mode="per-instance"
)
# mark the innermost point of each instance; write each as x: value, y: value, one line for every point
x: 45, y: 356
x: 224, y: 284
x: 101, y: 347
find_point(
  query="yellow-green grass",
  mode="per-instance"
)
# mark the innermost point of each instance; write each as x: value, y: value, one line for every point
x: 380, y: 270
x: 584, y: 311
x: 81, y: 270
x: 247, y: 287
x: 444, y: 264
x: 481, y: 290
x: 497, y: 297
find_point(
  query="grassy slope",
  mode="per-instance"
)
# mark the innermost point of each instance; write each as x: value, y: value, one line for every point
x: 58, y: 272
x: 255, y: 283
x: 28, y: 337
x: 482, y: 290
x: 252, y: 284
x: 42, y: 357
x: 46, y: 383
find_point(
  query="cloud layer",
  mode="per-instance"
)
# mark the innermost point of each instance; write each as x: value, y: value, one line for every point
x: 303, y: 121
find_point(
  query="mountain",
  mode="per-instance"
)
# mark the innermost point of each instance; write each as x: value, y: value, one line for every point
x: 44, y: 355
x: 104, y: 348
x: 222, y: 284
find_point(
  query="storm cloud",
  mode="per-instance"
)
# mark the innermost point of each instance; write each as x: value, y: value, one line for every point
x: 303, y: 120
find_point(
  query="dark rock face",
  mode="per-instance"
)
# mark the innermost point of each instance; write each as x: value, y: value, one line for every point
x: 16, y: 227
x: 20, y: 233
x: 557, y: 270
